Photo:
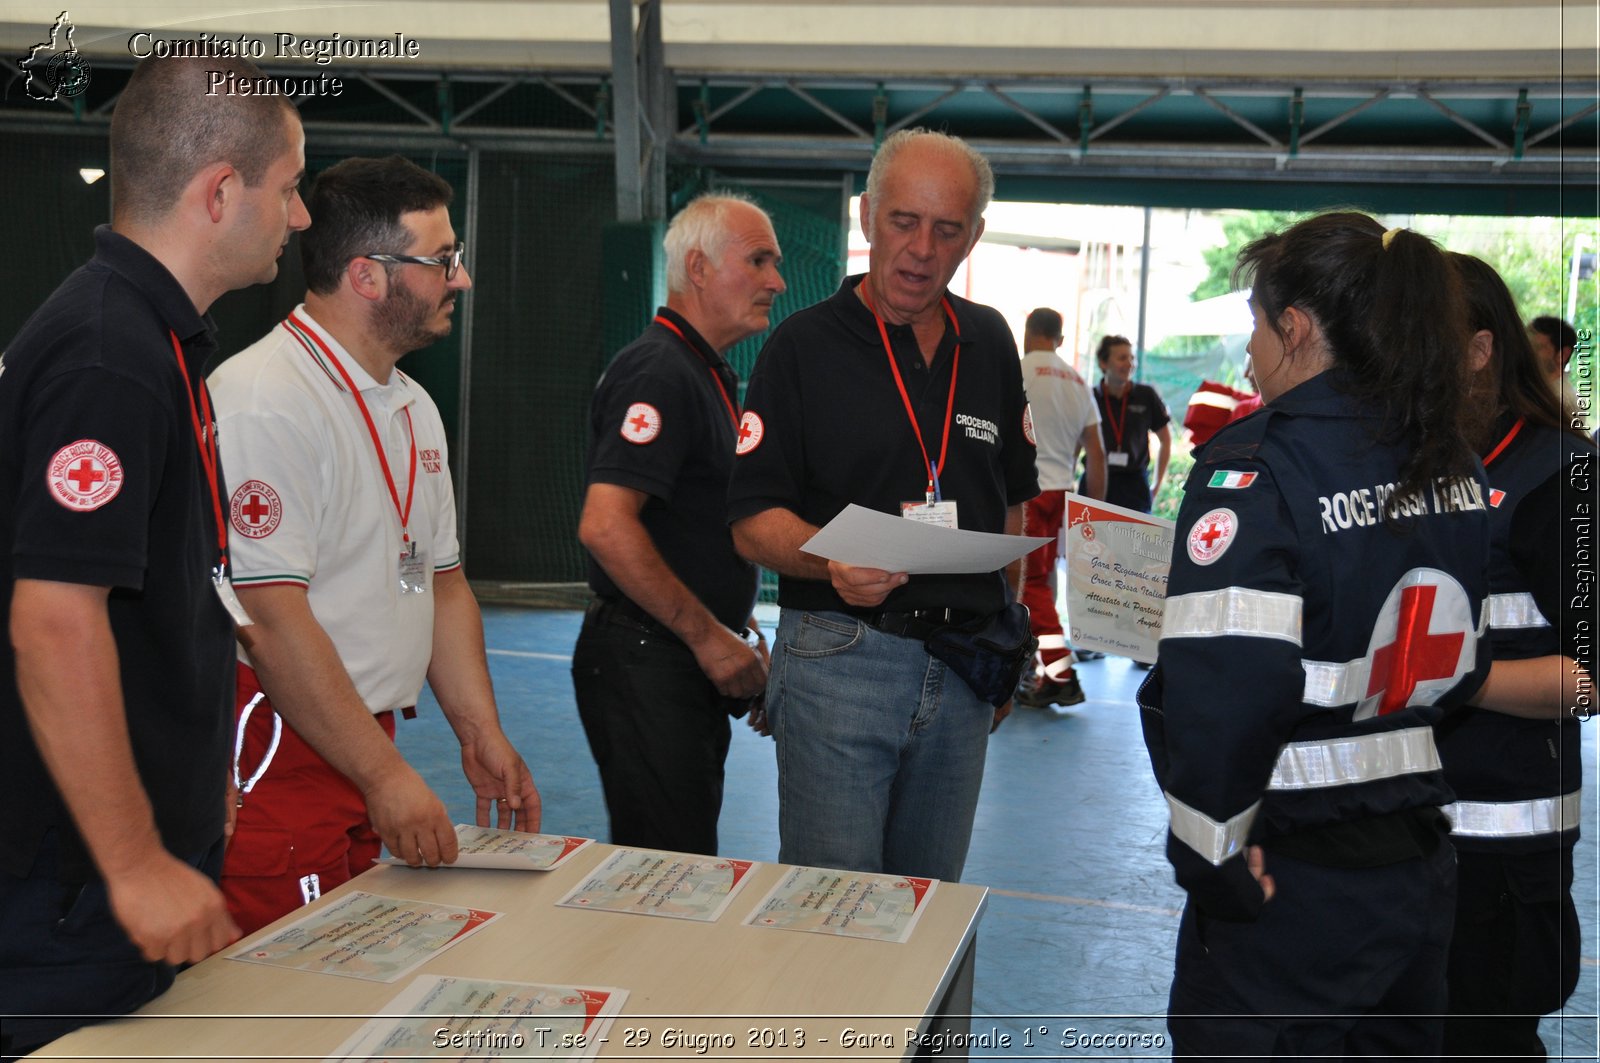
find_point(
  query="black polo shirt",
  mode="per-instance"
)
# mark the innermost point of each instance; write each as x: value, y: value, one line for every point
x: 662, y: 422
x: 825, y: 426
x: 1126, y: 424
x: 101, y: 484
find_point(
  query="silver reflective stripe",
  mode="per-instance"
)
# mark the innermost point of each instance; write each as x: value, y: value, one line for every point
x: 1331, y: 683
x: 1212, y: 840
x: 1344, y: 761
x: 1515, y: 819
x: 1513, y: 611
x: 1233, y: 611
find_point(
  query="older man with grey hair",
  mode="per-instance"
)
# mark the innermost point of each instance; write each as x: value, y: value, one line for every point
x: 669, y: 649
x: 899, y: 396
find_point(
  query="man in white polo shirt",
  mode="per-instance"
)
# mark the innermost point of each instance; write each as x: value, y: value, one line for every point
x: 1065, y: 424
x: 345, y: 556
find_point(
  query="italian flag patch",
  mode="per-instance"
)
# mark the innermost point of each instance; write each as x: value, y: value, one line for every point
x: 1233, y: 480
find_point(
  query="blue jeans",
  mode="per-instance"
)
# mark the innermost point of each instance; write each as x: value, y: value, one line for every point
x: 880, y: 749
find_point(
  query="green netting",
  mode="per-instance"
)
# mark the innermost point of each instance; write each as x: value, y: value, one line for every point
x: 811, y: 232
x: 538, y: 345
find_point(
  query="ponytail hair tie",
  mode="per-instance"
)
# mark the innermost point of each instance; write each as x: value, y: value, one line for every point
x: 1388, y: 237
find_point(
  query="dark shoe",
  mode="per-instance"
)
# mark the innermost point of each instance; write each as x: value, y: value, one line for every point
x: 1043, y: 693
x: 1088, y: 655
x: 1143, y: 666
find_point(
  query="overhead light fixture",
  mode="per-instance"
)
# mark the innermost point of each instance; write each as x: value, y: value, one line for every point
x: 91, y: 174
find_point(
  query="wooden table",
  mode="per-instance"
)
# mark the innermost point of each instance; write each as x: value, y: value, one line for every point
x: 699, y: 990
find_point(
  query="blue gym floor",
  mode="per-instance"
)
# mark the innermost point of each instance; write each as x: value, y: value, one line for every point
x: 1082, y: 912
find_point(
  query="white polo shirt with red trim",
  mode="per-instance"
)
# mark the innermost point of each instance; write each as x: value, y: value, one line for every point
x: 1062, y: 409
x: 310, y: 505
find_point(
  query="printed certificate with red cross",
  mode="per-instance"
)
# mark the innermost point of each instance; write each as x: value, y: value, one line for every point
x: 445, y: 1017
x: 509, y: 850
x: 365, y: 935
x: 1116, y: 587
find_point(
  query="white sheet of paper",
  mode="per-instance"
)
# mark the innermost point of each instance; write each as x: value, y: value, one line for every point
x: 1117, y: 563
x: 869, y: 539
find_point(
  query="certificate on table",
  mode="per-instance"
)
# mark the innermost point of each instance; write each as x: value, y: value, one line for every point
x: 870, y: 539
x: 509, y: 849
x: 845, y: 903
x: 443, y: 1017
x: 674, y: 885
x: 1117, y: 564
x: 366, y: 936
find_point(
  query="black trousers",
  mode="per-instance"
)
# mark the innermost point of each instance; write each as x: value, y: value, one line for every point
x: 1343, y: 962
x: 65, y: 961
x: 1515, y: 953
x: 658, y: 730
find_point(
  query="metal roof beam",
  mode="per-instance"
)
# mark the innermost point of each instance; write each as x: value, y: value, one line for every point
x: 1463, y: 122
x: 994, y: 90
x: 399, y: 101
x: 794, y: 87
x: 1100, y: 131
x: 1559, y: 126
x: 1238, y: 119
x: 903, y: 123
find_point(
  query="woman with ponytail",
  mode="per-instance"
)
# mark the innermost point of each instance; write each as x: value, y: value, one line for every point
x: 1323, y: 610
x: 1517, y: 778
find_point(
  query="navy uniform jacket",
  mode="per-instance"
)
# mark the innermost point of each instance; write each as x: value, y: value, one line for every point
x: 1517, y: 781
x: 1317, y: 624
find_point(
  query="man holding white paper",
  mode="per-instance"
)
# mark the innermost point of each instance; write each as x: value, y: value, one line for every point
x: 900, y: 397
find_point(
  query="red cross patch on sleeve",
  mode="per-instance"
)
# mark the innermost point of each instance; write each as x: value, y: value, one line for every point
x: 1027, y: 423
x: 1211, y: 535
x: 84, y: 476
x: 750, y: 432
x: 641, y: 424
x: 255, y: 510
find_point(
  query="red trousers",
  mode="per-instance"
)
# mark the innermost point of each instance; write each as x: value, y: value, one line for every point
x: 1043, y: 515
x: 302, y: 826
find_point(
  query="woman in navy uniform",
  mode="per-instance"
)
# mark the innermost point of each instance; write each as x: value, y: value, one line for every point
x: 1517, y: 780
x: 1323, y: 611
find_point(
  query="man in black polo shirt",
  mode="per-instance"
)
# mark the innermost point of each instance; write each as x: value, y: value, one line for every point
x: 660, y: 660
x: 116, y: 682
x: 898, y: 396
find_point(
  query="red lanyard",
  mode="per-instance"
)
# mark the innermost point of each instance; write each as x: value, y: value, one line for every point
x: 934, y: 471
x: 372, y: 430
x: 1120, y: 424
x: 733, y: 411
x: 208, y: 450
x: 1504, y: 443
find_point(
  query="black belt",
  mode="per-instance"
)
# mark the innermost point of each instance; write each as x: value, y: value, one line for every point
x: 626, y: 611
x: 917, y: 623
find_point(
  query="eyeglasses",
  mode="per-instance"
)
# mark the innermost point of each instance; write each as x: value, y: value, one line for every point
x: 452, y: 265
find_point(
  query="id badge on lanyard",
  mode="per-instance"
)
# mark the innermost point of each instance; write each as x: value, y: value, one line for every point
x: 205, y: 440
x: 413, y: 564
x: 223, y: 584
x: 938, y: 514
x: 934, y: 509
x: 413, y: 569
x: 1117, y: 459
